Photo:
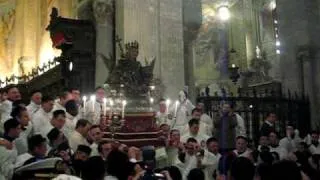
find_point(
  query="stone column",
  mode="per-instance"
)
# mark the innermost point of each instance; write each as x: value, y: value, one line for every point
x: 104, y: 17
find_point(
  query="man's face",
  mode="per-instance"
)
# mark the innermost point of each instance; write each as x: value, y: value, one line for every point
x: 24, y: 118
x: 81, y: 156
x: 133, y: 53
x: 41, y: 150
x: 36, y: 98
x: 96, y: 134
x: 264, y: 141
x: 14, y: 94
x: 163, y: 107
x: 241, y: 145
x: 59, y: 121
x: 290, y: 130
x: 47, y: 106
x: 272, y: 118
x: 105, y: 150
x: 100, y: 94
x: 194, y: 129
x: 192, y: 148
x: 165, y: 129
x: 66, y: 98
x: 175, y: 136
x: 314, y: 137
x: 196, y: 115
x: 273, y: 138
x: 85, y: 130
x: 213, y: 147
x: 76, y: 95
x: 226, y: 108
x: 16, y: 131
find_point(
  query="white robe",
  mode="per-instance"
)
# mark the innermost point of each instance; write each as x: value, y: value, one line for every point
x: 240, y: 128
x: 58, y: 106
x: 283, y: 153
x: 5, y: 111
x: 77, y: 139
x: 184, y: 111
x: 210, y: 162
x: 22, y: 141
x: 7, y: 162
x: 40, y: 120
x: 209, y: 123
x: 290, y: 144
x: 32, y: 108
x: 162, y: 118
x: 203, y: 129
x: 94, y: 149
x: 21, y: 159
x: 70, y: 125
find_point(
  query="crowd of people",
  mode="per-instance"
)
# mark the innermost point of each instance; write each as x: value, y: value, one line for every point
x: 197, y: 146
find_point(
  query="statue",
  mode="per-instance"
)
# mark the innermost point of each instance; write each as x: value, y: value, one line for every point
x: 129, y: 72
x: 103, y: 10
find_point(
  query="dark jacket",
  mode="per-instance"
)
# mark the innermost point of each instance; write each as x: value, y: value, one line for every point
x: 226, y: 131
x: 266, y: 129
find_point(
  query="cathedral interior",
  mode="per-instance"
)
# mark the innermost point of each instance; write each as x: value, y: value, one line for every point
x: 196, y: 44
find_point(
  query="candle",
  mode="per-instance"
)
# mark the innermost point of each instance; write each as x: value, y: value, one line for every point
x: 93, y: 100
x: 168, y: 104
x: 233, y: 66
x: 176, y: 109
x: 111, y: 104
x: 151, y: 100
x: 124, y: 103
x: 84, y: 99
x: 104, y: 107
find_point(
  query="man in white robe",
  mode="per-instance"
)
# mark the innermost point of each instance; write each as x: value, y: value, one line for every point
x: 242, y: 149
x: 94, y: 136
x: 13, y: 95
x: 314, y: 147
x: 35, y: 103
x: 79, y: 136
x: 8, y: 157
x: 194, y: 133
x: 291, y: 142
x: 162, y: 115
x: 63, y: 98
x: 204, y: 128
x: 210, y: 159
x: 184, y: 111
x: 274, y: 146
x: 42, y: 117
x: 58, y: 121
x: 93, y: 110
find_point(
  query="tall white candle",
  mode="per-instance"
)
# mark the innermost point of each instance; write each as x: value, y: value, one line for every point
x: 104, y: 107
x: 124, y: 103
x: 176, y: 109
x: 84, y: 99
x: 93, y: 100
x: 111, y: 105
x: 168, y: 104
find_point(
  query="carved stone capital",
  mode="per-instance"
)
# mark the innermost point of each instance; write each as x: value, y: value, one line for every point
x: 102, y: 10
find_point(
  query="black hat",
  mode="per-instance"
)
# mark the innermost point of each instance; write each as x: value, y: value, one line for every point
x: 84, y: 148
x: 63, y: 146
x: 53, y: 134
x: 10, y: 124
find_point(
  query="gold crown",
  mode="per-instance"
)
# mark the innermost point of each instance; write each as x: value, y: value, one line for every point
x: 132, y: 45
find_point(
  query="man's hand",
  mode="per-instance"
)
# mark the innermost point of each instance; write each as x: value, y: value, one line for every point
x: 134, y: 153
x: 7, y: 144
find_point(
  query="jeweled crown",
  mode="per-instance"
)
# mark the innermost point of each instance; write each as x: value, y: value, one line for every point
x: 132, y: 45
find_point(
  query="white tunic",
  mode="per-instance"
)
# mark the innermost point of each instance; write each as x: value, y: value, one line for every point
x: 283, y: 153
x: 22, y: 141
x: 5, y: 111
x: 32, y: 108
x: 241, y: 128
x: 7, y: 161
x: 162, y: 118
x: 209, y: 123
x: 314, y: 149
x: 58, y: 106
x: 203, y: 129
x: 290, y: 144
x: 77, y: 139
x: 40, y: 120
x: 70, y: 125
x: 184, y: 111
x: 210, y: 162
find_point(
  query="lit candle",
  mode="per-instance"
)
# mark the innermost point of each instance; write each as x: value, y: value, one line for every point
x: 124, y: 103
x: 233, y: 66
x: 168, y: 104
x: 111, y: 104
x: 104, y: 107
x: 93, y: 100
x: 151, y: 100
x: 176, y: 109
x: 84, y: 99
